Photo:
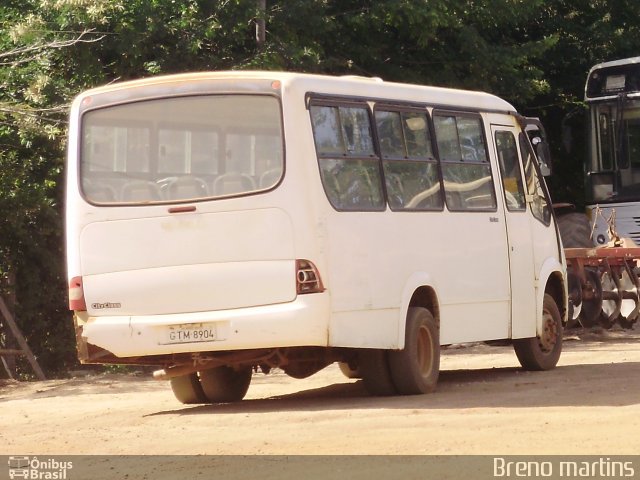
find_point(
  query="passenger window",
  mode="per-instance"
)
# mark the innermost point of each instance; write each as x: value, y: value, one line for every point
x: 471, y: 139
x: 510, y: 171
x: 540, y: 204
x: 466, y: 171
x: 356, y: 131
x: 417, y: 135
x: 326, y: 131
x: 447, y: 138
x: 390, y: 134
x: 117, y: 148
x: 349, y: 168
x: 410, y: 169
x: 187, y: 152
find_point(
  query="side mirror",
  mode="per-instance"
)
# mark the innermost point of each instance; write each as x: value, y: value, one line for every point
x: 542, y: 152
x: 536, y: 134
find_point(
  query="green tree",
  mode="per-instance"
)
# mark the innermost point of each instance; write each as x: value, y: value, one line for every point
x: 33, y: 104
x: 587, y: 32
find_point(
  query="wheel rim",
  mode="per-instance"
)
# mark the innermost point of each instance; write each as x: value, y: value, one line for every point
x: 549, y: 336
x: 425, y: 352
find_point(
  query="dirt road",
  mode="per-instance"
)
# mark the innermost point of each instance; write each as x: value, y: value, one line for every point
x: 485, y: 404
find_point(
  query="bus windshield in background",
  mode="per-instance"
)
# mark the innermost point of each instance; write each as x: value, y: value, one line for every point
x: 615, y: 169
x: 611, y: 79
x: 181, y: 148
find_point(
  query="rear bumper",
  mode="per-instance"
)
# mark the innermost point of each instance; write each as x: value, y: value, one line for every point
x: 303, y: 322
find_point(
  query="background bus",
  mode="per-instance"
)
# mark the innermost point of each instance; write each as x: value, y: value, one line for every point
x: 603, y: 283
x: 612, y: 92
x: 224, y: 223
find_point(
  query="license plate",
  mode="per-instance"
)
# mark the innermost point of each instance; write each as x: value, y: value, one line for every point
x: 191, y: 333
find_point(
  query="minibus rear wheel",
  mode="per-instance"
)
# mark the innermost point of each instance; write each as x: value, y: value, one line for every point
x: 349, y: 371
x: 542, y: 352
x: 416, y: 368
x: 225, y: 384
x: 187, y: 389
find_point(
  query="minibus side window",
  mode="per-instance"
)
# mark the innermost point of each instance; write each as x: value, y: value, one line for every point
x: 465, y: 165
x: 349, y: 167
x: 411, y: 171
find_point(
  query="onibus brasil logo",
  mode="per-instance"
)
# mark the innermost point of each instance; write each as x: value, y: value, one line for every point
x: 38, y: 469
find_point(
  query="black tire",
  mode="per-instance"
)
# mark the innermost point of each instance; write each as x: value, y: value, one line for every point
x: 416, y: 368
x: 575, y: 230
x: 374, y: 368
x: 187, y: 389
x: 349, y: 372
x: 542, y: 353
x: 224, y: 384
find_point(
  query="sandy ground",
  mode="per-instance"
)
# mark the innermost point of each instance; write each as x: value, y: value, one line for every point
x: 485, y: 404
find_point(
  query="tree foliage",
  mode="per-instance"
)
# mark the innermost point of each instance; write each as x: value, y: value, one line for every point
x: 534, y: 53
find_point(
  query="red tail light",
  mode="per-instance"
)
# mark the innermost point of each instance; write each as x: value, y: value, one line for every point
x: 307, y: 278
x: 76, y: 295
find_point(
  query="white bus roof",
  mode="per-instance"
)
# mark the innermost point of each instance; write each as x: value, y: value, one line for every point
x: 355, y: 86
x: 615, y: 63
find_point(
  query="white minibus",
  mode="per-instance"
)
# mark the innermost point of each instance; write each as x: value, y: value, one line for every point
x: 224, y: 224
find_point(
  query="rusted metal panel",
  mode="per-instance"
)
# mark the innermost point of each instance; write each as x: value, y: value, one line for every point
x: 601, y: 273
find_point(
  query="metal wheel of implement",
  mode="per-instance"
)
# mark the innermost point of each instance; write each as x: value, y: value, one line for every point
x: 591, y: 299
x: 187, y: 389
x: 542, y: 352
x: 626, y: 323
x: 225, y: 384
x: 628, y: 314
x: 415, y: 369
x: 614, y: 290
x: 607, y: 318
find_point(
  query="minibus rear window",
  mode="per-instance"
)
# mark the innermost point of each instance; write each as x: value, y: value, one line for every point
x: 181, y: 149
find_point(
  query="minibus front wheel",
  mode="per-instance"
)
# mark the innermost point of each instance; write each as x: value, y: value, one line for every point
x: 542, y: 352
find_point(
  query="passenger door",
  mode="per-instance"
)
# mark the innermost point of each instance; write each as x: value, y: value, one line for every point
x: 519, y: 231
